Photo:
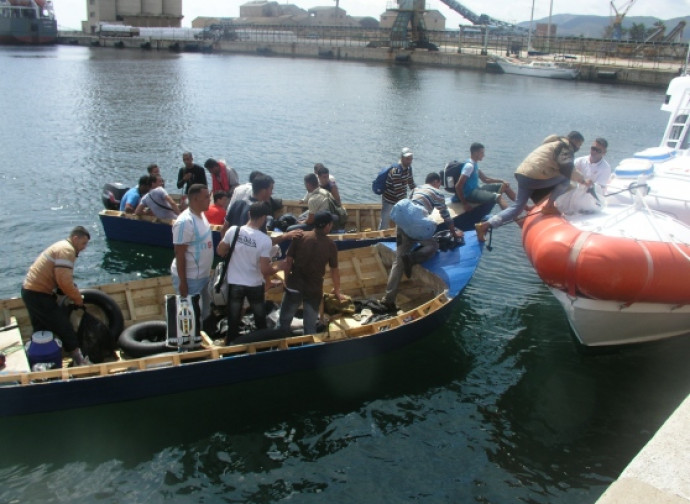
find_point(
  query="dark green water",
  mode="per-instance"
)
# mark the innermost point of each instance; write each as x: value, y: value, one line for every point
x: 499, y: 406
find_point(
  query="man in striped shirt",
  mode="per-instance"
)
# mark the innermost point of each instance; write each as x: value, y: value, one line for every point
x: 429, y: 196
x: 53, y: 270
x: 398, y: 180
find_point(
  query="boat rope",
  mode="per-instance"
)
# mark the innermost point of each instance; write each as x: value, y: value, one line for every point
x: 630, y: 188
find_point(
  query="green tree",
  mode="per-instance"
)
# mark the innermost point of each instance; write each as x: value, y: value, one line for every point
x: 637, y: 32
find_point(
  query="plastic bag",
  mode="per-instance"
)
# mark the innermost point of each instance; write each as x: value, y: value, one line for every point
x: 94, y: 338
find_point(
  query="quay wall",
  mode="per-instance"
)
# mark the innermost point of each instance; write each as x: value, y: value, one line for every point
x: 607, y: 73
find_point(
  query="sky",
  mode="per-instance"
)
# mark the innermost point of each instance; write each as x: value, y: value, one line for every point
x: 70, y: 13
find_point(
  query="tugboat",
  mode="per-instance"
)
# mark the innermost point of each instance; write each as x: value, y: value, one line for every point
x: 27, y: 22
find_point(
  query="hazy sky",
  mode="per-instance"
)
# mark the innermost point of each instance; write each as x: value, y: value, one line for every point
x: 70, y: 13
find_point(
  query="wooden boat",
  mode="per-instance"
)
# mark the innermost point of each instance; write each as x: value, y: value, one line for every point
x: 538, y: 68
x: 621, y: 275
x: 425, y: 301
x: 665, y: 170
x: 361, y: 229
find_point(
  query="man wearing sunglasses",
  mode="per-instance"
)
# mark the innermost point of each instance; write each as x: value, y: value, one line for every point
x: 594, y: 168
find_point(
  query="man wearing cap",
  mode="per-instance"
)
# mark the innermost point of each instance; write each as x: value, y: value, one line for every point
x: 397, y: 183
x: 305, y: 266
x: 53, y: 270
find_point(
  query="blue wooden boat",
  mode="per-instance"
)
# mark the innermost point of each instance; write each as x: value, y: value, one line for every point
x: 361, y: 228
x: 425, y: 301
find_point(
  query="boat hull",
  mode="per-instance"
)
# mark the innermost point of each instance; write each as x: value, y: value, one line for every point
x: 543, y: 72
x: 620, y: 275
x: 594, y: 256
x: 27, y: 31
x: 608, y: 323
x: 165, y: 374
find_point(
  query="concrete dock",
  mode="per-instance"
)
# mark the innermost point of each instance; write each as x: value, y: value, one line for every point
x: 660, y: 473
x: 610, y: 70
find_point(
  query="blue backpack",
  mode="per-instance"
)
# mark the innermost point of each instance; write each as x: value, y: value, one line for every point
x: 379, y: 183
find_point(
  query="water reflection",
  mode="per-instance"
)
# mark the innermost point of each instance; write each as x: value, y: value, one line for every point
x: 126, y: 258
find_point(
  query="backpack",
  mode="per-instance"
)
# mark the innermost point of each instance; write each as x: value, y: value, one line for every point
x: 379, y: 183
x: 338, y: 210
x: 450, y: 175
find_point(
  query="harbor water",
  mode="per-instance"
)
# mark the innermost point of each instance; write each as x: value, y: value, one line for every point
x: 499, y: 406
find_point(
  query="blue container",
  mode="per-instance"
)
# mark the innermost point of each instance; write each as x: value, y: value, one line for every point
x: 44, y: 348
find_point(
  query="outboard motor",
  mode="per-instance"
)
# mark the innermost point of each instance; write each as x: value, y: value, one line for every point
x: 112, y: 194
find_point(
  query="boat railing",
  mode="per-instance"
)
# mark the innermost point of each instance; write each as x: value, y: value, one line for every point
x: 214, y: 352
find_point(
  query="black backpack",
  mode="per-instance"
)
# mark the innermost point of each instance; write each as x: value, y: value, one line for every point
x: 450, y: 175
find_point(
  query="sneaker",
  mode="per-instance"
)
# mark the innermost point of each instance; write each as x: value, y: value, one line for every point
x: 550, y: 210
x: 407, y: 265
x: 481, y: 231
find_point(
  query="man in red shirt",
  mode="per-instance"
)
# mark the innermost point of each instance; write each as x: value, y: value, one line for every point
x: 216, y: 212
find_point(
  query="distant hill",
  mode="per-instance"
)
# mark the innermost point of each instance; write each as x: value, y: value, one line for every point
x: 571, y: 25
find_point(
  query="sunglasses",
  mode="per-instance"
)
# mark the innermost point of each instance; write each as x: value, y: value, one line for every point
x: 595, y: 149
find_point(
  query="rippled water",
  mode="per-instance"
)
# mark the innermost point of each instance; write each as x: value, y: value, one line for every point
x: 499, y: 406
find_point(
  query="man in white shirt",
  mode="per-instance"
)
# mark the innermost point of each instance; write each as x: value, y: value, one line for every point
x: 594, y: 168
x: 158, y: 201
x: 249, y: 264
x: 193, y: 242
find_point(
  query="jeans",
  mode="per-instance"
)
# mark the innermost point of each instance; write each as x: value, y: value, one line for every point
x: 483, y: 194
x: 526, y: 186
x: 386, y: 208
x: 289, y: 306
x: 197, y: 286
x: 236, y: 295
x: 426, y: 251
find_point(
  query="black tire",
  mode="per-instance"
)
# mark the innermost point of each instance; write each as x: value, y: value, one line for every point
x: 144, y: 338
x: 110, y: 310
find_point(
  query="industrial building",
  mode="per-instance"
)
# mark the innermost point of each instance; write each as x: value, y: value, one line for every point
x: 150, y: 13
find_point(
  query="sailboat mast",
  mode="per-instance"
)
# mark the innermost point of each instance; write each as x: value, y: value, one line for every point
x: 529, y: 34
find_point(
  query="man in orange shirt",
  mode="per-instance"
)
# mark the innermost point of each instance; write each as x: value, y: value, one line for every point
x: 216, y: 212
x: 53, y: 269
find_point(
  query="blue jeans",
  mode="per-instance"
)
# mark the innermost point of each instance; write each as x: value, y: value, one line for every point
x: 526, y: 186
x: 236, y: 295
x: 289, y: 306
x: 196, y: 286
x: 386, y: 208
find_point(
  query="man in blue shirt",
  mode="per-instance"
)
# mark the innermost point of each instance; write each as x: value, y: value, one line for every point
x: 131, y: 199
x: 467, y: 187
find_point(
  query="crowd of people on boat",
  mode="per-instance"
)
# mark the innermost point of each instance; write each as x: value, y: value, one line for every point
x: 250, y: 253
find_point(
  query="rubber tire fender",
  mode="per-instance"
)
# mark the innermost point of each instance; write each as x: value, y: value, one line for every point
x: 116, y: 322
x: 145, y: 338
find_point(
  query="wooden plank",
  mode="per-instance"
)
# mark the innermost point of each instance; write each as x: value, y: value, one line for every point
x: 130, y: 305
x: 11, y: 344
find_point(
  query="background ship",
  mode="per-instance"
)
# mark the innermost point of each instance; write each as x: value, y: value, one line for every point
x: 27, y: 22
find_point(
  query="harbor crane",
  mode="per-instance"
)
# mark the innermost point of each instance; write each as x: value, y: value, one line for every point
x: 409, y: 29
x: 618, y: 15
